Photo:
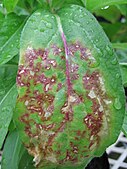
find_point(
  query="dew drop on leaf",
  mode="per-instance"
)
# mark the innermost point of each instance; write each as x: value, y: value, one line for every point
x: 2, y: 92
x: 109, y: 49
x: 117, y: 75
x: 49, y: 25
x: 117, y: 104
x: 114, y: 61
x: 42, y: 30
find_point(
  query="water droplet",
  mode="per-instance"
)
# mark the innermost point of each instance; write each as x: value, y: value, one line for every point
x: 42, y: 30
x: 8, y: 56
x: 109, y: 49
x: 49, y: 25
x: 12, y: 45
x: 37, y: 13
x: 94, y: 64
x: 117, y: 104
x: 117, y: 75
x: 32, y: 20
x: 2, y: 92
x: 46, y: 16
x: 114, y: 61
x: 106, y: 7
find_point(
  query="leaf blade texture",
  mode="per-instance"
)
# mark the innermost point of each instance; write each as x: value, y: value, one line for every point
x: 8, y: 94
x: 94, y: 5
x: 11, y: 26
x: 68, y: 107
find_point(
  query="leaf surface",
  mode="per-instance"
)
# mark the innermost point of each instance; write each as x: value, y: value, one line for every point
x: 10, y: 4
x: 13, y: 149
x: 14, y: 154
x: 124, y: 128
x: 8, y: 94
x: 71, y: 100
x: 10, y: 29
x: 122, y: 58
x: 97, y: 4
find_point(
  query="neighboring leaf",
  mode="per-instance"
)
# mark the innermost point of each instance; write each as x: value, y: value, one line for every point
x: 8, y: 94
x: 124, y: 128
x: 119, y: 45
x: 7, y: 105
x: 10, y: 4
x: 122, y: 58
x: 13, y: 150
x: 84, y: 2
x: 111, y: 14
x: 15, y: 155
x: 26, y: 161
x: 123, y: 9
x: 7, y: 79
x: 98, y: 4
x: 58, y: 3
x: 117, y: 32
x: 14, y: 60
x: 71, y: 101
x: 10, y: 30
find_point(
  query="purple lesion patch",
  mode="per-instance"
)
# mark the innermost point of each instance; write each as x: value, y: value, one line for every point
x: 98, y: 119
x: 40, y: 77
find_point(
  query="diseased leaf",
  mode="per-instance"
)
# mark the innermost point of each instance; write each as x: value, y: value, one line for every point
x: 71, y: 100
x: 10, y: 29
x: 98, y: 4
x: 8, y: 95
x: 10, y: 4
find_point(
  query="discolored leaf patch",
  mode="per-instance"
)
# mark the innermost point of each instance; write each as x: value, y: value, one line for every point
x: 64, y: 108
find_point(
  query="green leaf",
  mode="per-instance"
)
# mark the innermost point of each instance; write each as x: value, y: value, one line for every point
x: 123, y: 9
x: 7, y: 78
x: 122, y: 58
x: 58, y: 3
x: 15, y: 155
x: 10, y: 30
x: 13, y: 150
x: 124, y: 128
x: 8, y: 94
x: 116, y: 32
x: 10, y: 5
x: 111, y: 14
x: 119, y: 45
x: 71, y: 100
x: 26, y: 161
x: 93, y: 5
